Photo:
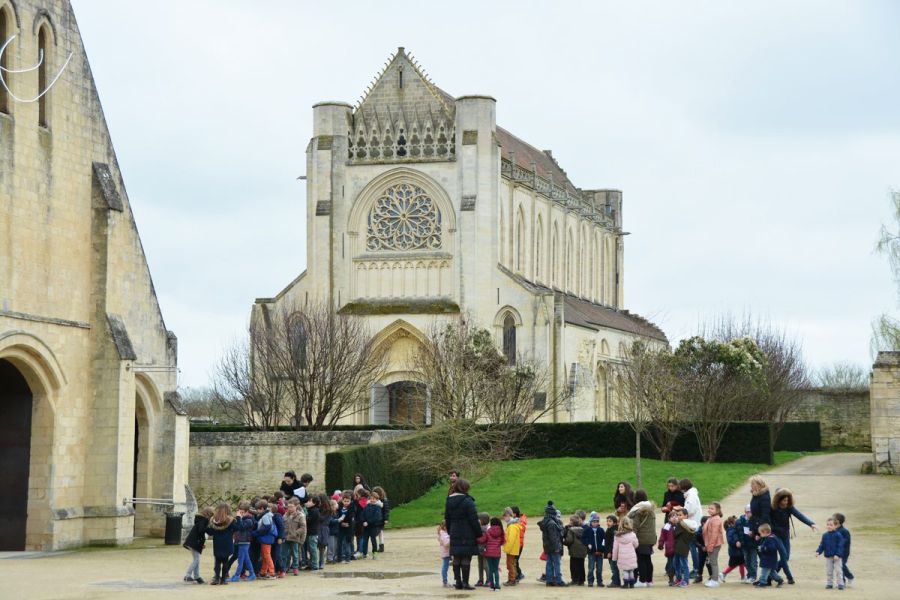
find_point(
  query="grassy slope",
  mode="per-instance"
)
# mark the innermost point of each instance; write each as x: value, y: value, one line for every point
x: 577, y: 483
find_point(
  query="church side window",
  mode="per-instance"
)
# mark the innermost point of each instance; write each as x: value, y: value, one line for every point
x: 4, y: 60
x: 509, y: 339
x: 520, y: 243
x: 539, y: 251
x: 42, y: 76
x: 404, y: 217
x: 554, y: 258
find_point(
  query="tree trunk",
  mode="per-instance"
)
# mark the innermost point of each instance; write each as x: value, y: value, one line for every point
x: 637, y: 457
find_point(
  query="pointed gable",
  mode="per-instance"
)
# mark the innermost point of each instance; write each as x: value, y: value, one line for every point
x: 402, y: 117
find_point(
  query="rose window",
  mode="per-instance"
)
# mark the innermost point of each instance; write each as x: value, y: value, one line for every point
x: 404, y: 218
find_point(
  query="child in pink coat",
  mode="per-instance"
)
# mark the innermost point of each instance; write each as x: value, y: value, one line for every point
x: 625, y: 551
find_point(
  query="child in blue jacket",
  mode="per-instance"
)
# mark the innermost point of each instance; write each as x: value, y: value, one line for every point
x: 735, y: 554
x: 771, y: 553
x: 221, y: 529
x: 278, y: 546
x: 593, y: 538
x: 839, y: 518
x: 832, y: 546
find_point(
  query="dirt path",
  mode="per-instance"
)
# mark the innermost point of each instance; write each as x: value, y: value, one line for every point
x: 822, y: 484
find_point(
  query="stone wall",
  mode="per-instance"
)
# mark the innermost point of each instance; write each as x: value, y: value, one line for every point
x: 843, y: 415
x: 228, y: 465
x: 885, y: 410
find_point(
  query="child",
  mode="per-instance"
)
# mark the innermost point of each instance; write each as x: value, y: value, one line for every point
x: 346, y: 526
x: 242, y: 539
x: 313, y: 520
x: 712, y: 542
x: 493, y: 542
x: 360, y: 500
x: 484, y: 520
x: 334, y: 530
x: 577, y: 550
x: 735, y: 555
x: 512, y: 546
x: 612, y: 523
x: 684, y: 537
x: 295, y: 523
x: 666, y: 543
x: 372, y: 521
x: 592, y: 537
x: 444, y: 542
x: 523, y: 525
x: 771, y: 550
x: 266, y: 533
x: 222, y: 527
x: 552, y: 530
x: 280, y: 502
x: 700, y: 547
x: 747, y: 543
x: 625, y: 551
x: 195, y: 541
x: 278, y: 523
x: 839, y: 527
x: 832, y: 546
x: 385, y: 514
x: 325, y: 516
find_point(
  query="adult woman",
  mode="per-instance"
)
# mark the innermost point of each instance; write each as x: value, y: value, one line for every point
x: 782, y: 510
x: 644, y: 521
x: 694, y: 513
x: 760, y: 512
x: 623, y: 495
x: 358, y: 479
x: 289, y: 484
x: 461, y: 517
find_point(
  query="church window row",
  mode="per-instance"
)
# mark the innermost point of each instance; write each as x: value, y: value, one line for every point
x: 404, y: 217
x: 8, y: 28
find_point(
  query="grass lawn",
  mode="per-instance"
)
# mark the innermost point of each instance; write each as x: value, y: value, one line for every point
x: 577, y: 483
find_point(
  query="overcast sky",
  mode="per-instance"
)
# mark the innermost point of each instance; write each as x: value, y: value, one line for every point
x: 755, y: 142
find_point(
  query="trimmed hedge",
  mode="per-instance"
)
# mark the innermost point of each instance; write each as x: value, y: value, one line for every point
x: 243, y: 428
x: 378, y: 462
x: 743, y: 442
x: 804, y: 436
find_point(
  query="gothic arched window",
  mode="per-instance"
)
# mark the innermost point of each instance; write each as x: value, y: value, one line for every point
x: 404, y: 217
x: 42, y: 76
x: 520, y: 242
x: 298, y: 340
x: 539, y: 250
x: 5, y: 20
x: 509, y: 339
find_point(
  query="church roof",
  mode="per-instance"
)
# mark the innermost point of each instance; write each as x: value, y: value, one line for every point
x: 419, y: 99
x: 584, y: 313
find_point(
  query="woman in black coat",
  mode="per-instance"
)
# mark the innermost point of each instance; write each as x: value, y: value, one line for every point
x: 760, y: 512
x: 464, y: 529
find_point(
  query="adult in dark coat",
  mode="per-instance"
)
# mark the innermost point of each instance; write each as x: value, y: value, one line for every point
x: 289, y: 484
x: 624, y: 494
x: 783, y: 510
x: 760, y: 512
x: 464, y: 529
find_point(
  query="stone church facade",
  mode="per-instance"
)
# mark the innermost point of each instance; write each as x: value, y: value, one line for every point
x: 87, y: 366
x: 420, y: 207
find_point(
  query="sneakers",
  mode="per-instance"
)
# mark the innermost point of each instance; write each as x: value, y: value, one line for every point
x: 721, y: 577
x: 640, y: 584
x: 381, y: 547
x: 235, y: 578
x: 749, y: 580
x: 358, y: 555
x: 840, y: 587
x: 683, y: 583
x: 479, y: 583
x: 215, y: 581
x: 829, y: 587
x: 199, y: 580
x: 188, y: 579
x: 849, y: 581
x: 251, y: 578
x: 712, y: 583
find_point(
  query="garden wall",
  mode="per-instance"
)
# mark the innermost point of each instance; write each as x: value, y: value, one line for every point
x: 845, y: 416
x: 228, y: 465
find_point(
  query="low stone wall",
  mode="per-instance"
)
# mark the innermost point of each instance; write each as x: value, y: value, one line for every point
x: 232, y: 465
x: 844, y: 416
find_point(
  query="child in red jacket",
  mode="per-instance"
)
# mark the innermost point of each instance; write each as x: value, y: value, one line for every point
x: 493, y: 541
x: 667, y: 545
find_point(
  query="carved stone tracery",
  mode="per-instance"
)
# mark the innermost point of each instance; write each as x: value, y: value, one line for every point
x: 404, y: 217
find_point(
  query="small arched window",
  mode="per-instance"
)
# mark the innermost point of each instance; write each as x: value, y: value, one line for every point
x: 539, y: 250
x: 42, y: 75
x: 509, y: 339
x: 298, y: 341
x: 5, y: 21
x: 520, y: 242
x: 554, y: 258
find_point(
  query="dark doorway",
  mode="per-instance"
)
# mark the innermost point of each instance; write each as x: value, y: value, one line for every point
x: 15, y: 455
x: 407, y: 403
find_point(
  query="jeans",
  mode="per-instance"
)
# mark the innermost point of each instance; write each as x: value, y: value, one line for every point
x: 445, y: 566
x: 681, y: 568
x: 345, y: 547
x: 194, y: 570
x: 334, y: 548
x: 493, y: 567
x: 323, y: 550
x: 292, y: 556
x: 243, y: 560
x: 313, y: 542
x: 277, y: 556
x: 695, y: 560
x: 765, y: 573
x: 750, y: 558
x: 670, y: 565
x: 595, y: 563
x: 847, y: 574
x: 370, y: 536
x: 552, y: 571
x: 614, y: 573
x: 783, y: 565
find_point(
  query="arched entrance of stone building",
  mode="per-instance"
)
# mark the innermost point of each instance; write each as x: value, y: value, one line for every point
x: 407, y: 402
x: 16, y: 402
x: 145, y: 518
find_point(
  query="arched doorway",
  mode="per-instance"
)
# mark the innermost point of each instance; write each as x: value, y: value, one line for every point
x: 407, y: 403
x: 16, y: 403
x: 145, y: 518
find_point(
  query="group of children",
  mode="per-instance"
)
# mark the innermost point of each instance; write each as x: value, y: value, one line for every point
x: 625, y: 544
x: 288, y: 531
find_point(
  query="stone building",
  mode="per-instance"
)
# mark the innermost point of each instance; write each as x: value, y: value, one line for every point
x: 420, y: 206
x: 87, y: 367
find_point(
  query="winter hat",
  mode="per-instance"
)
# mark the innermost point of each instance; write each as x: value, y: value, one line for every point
x: 336, y: 495
x: 594, y: 517
x: 747, y: 508
x: 549, y: 502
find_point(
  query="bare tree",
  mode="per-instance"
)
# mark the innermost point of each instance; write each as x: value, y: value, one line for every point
x: 886, y: 328
x: 843, y: 377
x: 202, y: 403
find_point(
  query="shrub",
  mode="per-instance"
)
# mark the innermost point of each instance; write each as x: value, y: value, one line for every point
x: 800, y: 437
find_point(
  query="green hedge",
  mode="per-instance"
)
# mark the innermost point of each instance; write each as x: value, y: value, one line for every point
x: 242, y: 428
x: 805, y: 436
x: 743, y: 442
x: 378, y: 462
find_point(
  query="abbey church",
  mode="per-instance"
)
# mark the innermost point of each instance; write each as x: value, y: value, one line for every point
x: 420, y: 208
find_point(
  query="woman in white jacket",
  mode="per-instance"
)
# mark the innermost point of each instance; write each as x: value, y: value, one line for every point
x: 694, y: 510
